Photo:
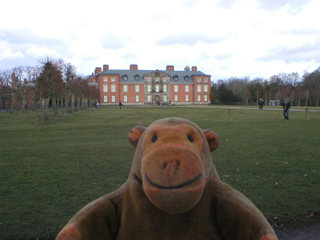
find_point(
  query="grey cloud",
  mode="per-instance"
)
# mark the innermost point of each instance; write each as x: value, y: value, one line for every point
x: 303, y: 31
x: 129, y: 56
x: 223, y: 56
x: 161, y: 17
x: 226, y: 4
x: 189, y: 3
x: 189, y: 39
x: 111, y: 41
x: 276, y: 4
x: 26, y: 36
x: 303, y: 53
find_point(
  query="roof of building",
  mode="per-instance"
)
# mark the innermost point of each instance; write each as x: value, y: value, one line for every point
x: 136, y: 76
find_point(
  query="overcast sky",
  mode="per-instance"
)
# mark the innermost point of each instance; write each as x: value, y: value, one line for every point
x: 234, y: 38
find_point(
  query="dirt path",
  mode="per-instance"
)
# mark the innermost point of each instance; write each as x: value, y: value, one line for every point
x: 311, y: 232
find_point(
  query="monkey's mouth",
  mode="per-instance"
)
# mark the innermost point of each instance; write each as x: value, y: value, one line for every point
x: 173, y: 187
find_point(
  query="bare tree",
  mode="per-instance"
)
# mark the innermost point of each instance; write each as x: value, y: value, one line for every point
x: 187, y: 68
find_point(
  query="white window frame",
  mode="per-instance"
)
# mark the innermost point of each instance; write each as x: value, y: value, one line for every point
x: 137, y: 98
x: 205, y: 98
x: 187, y: 98
x: 113, y: 98
x: 176, y: 88
x: 198, y: 79
x: 125, y: 88
x: 176, y: 98
x: 113, y: 88
x: 137, y: 88
x: 165, y: 98
x: 165, y: 88
x: 105, y: 98
x: 125, y: 98
x: 198, y: 88
x: 187, y: 88
x: 148, y: 98
x: 105, y: 79
x: 105, y: 88
x: 205, y: 88
x: 113, y: 79
x: 199, y: 98
x: 149, y: 87
x: 157, y: 88
x: 205, y: 80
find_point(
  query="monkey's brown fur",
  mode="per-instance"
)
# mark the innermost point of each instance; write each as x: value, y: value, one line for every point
x: 173, y: 192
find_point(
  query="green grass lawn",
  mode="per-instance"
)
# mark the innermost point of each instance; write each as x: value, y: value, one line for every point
x: 47, y: 175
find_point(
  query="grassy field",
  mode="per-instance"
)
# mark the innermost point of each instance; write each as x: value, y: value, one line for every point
x: 47, y: 175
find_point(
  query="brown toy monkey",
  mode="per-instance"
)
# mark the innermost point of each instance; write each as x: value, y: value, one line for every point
x: 173, y: 192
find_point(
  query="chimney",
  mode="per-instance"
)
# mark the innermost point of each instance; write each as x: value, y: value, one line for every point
x: 194, y: 69
x: 133, y: 67
x: 170, y: 68
x: 105, y: 67
x: 98, y: 70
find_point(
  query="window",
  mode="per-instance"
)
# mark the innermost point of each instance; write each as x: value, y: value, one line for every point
x: 149, y: 98
x: 186, y: 88
x: 125, y: 88
x: 105, y: 98
x: 198, y: 88
x: 198, y: 79
x: 125, y: 98
x: 137, y: 77
x: 164, y: 88
x: 205, y: 88
x: 137, y: 98
x: 164, y: 80
x: 157, y: 80
x: 199, y: 98
x: 149, y: 79
x: 205, y: 98
x: 186, y: 78
x: 113, y: 98
x: 176, y: 88
x: 137, y: 88
x: 125, y: 77
x: 113, y: 79
x: 205, y: 79
x: 149, y: 88
x: 105, y: 87
x: 175, y: 78
x: 176, y: 98
x: 105, y: 79
x: 165, y: 98
x: 157, y: 88
x: 113, y: 88
x: 187, y: 98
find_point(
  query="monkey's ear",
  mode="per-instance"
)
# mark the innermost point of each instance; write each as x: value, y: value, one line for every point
x: 212, y: 139
x: 135, y: 135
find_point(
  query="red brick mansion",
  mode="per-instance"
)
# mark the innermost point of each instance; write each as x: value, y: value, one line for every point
x: 135, y: 86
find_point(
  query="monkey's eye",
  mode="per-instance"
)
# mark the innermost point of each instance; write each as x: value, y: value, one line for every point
x: 154, y: 138
x: 190, y: 138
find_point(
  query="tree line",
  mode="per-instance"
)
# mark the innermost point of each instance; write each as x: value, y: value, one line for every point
x: 53, y: 84
x: 302, y: 91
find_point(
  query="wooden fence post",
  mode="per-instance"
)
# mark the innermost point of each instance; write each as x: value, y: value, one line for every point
x: 139, y: 119
x: 37, y: 122
x: 307, y: 113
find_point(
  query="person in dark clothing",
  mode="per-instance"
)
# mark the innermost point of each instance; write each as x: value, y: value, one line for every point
x: 120, y: 104
x: 286, y: 104
x: 261, y: 103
